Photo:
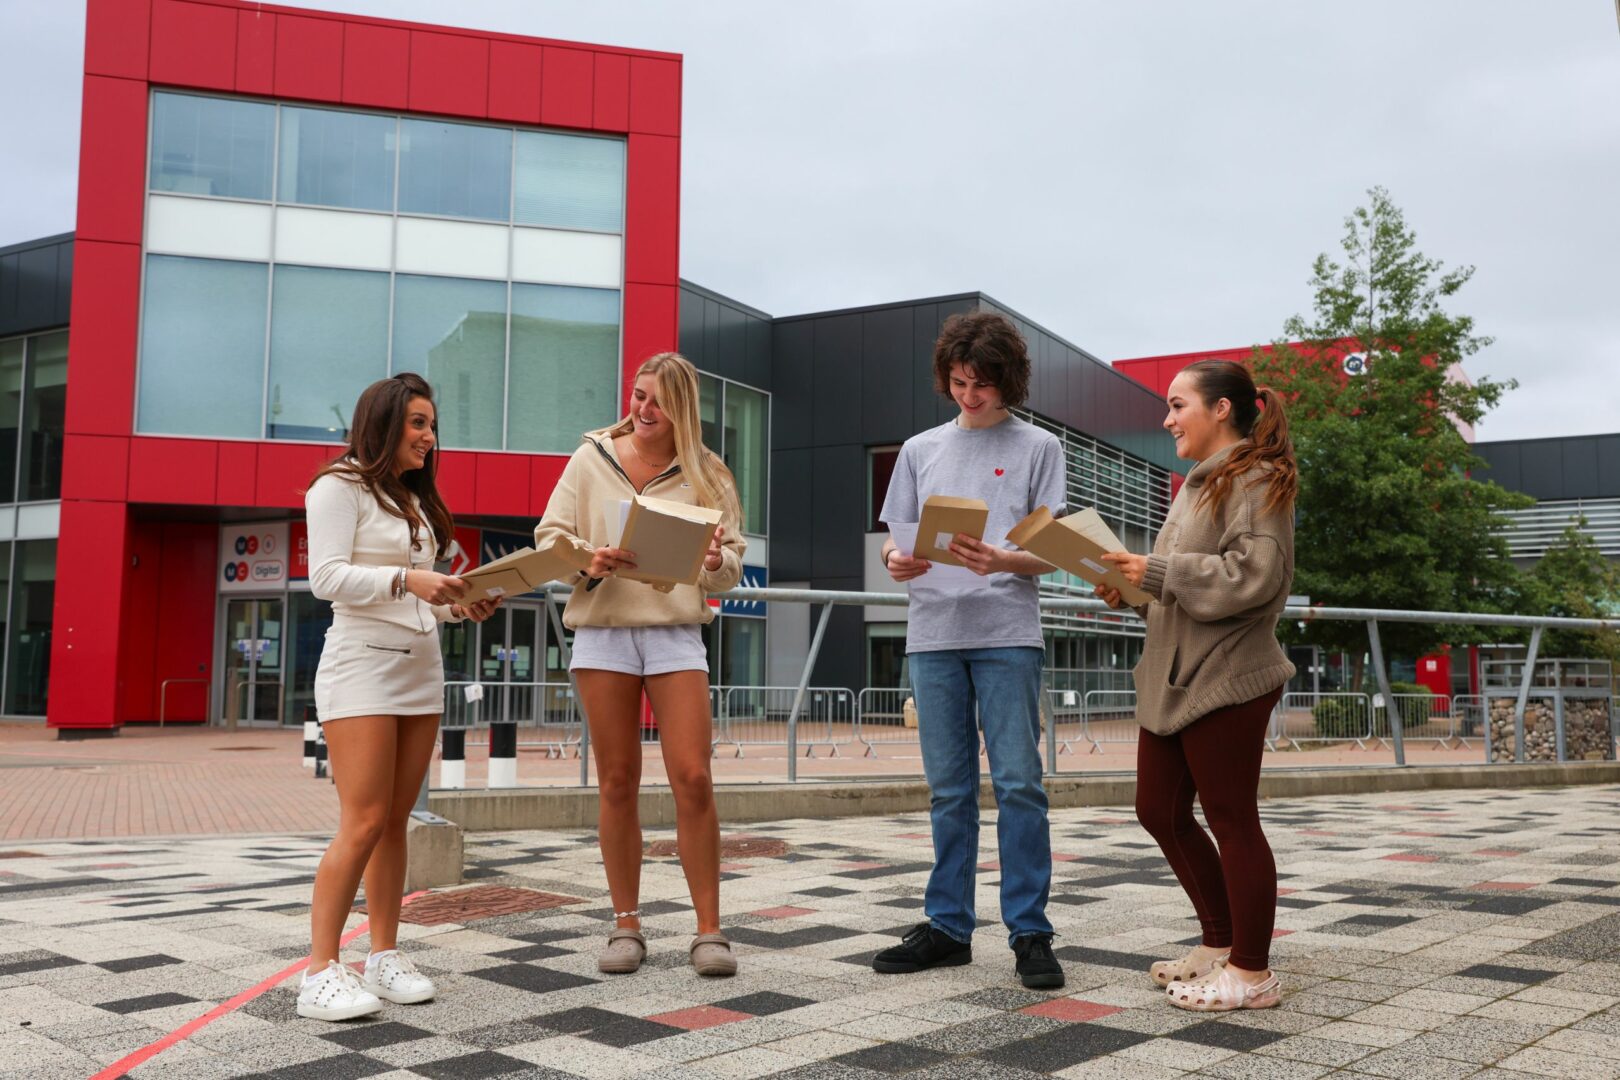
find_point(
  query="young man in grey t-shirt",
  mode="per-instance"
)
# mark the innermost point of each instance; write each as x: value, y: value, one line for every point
x: 976, y: 654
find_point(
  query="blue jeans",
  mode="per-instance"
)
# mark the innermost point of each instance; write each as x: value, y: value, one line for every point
x: 1006, y: 683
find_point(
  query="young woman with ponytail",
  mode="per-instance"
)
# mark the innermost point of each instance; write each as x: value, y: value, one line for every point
x: 632, y: 638
x: 1211, y: 673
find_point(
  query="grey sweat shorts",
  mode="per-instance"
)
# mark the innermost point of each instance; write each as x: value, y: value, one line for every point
x: 640, y: 650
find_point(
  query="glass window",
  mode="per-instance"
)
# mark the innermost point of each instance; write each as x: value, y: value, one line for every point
x: 202, y: 376
x: 570, y: 181
x: 880, y: 463
x: 452, y: 332
x: 308, y: 618
x: 333, y: 158
x: 28, y: 631
x: 742, y: 652
x: 748, y: 452
x: 45, y: 404
x: 886, y: 655
x: 212, y: 146
x: 564, y: 367
x: 709, y: 410
x: 328, y: 342
x: 11, y: 395
x: 455, y: 170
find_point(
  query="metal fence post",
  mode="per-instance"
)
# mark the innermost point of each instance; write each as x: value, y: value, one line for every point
x: 567, y: 657
x: 1524, y: 695
x: 798, y: 697
x: 1391, y: 707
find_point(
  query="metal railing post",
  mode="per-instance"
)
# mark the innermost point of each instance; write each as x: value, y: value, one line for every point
x: 567, y: 655
x: 1391, y: 706
x: 1524, y: 695
x: 798, y: 697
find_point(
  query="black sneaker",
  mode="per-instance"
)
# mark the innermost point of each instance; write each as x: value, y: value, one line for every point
x: 923, y: 948
x: 1038, y: 969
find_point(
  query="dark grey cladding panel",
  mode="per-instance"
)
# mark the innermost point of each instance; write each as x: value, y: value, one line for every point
x: 838, y: 509
x: 792, y: 510
x: 793, y: 379
x: 944, y: 408
x: 1580, y: 467
x: 692, y: 344
x: 1608, y: 459
x: 1575, y: 467
x: 1501, y: 464
x: 886, y: 372
x: 1542, y: 469
x: 925, y: 320
x: 733, y: 343
x: 837, y: 371
x: 757, y: 354
x: 842, y: 661
x: 35, y: 285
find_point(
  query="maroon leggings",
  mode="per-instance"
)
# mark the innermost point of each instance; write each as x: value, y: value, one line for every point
x: 1217, y: 759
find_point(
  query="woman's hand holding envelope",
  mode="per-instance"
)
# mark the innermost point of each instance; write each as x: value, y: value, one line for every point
x: 712, y: 561
x: 478, y: 610
x: 605, y: 560
x: 1134, y: 567
x: 1109, y: 595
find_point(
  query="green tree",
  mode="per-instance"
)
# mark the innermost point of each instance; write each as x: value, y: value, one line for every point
x: 1574, y: 580
x: 1389, y: 515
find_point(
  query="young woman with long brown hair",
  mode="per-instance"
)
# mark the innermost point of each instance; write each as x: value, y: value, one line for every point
x: 632, y: 638
x: 376, y: 525
x: 1211, y: 673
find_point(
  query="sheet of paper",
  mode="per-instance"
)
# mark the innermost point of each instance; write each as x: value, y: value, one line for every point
x: 617, y: 512
x: 941, y: 577
x: 1089, y: 523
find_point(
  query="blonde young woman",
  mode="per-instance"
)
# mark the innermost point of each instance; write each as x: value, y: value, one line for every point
x: 631, y: 638
x: 376, y: 524
x: 1212, y: 671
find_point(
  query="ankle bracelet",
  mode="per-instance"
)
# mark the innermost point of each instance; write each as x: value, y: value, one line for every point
x: 633, y: 913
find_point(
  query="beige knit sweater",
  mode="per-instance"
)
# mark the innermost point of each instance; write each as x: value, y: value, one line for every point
x: 1219, y: 580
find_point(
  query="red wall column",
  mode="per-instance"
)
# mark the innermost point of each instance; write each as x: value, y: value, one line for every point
x: 92, y: 560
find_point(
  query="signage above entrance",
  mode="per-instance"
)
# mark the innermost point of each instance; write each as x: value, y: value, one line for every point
x: 253, y: 557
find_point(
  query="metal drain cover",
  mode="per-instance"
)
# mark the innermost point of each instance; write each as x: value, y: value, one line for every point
x: 478, y: 902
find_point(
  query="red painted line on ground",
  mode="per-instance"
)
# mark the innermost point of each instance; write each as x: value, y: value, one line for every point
x: 185, y: 1031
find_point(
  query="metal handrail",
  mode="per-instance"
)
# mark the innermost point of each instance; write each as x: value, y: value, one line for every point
x: 163, y: 695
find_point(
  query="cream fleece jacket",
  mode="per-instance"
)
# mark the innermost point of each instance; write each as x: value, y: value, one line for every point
x: 592, y: 486
x: 1219, y: 580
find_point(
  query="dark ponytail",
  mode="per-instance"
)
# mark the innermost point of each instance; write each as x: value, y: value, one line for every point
x: 1258, y: 415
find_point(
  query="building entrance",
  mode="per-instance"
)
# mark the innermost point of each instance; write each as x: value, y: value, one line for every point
x: 253, y: 659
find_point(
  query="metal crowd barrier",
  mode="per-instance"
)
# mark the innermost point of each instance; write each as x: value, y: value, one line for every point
x: 1311, y: 717
x: 1066, y: 712
x: 880, y: 719
x: 761, y: 715
x: 1470, y: 719
x: 1110, y: 717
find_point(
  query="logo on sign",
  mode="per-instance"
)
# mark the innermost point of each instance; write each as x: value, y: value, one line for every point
x: 753, y: 577
x: 241, y: 545
x: 268, y: 544
x: 230, y: 571
x: 267, y: 570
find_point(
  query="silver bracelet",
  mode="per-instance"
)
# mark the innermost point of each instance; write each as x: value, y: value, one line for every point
x: 399, y: 583
x: 634, y: 913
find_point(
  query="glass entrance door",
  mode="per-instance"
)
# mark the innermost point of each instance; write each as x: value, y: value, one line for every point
x: 253, y: 655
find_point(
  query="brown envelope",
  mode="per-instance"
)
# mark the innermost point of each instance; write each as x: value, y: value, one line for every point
x: 1076, y: 544
x: 943, y: 516
x: 523, y: 570
x: 670, y: 540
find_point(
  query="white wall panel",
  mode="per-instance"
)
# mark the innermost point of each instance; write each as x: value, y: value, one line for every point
x: 453, y: 248
x: 39, y: 521
x: 210, y: 228
x: 333, y: 238
x: 557, y: 257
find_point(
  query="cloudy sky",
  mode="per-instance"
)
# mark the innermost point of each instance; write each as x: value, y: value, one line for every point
x: 1140, y: 178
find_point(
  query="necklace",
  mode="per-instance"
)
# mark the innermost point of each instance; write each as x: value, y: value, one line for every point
x: 643, y: 460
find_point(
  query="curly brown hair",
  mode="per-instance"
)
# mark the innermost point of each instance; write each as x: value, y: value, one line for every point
x: 991, y: 347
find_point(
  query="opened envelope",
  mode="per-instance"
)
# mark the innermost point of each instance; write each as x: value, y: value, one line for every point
x: 1077, y: 544
x: 523, y: 571
x: 943, y: 516
x: 670, y: 539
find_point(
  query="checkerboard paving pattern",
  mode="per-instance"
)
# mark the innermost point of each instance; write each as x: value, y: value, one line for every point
x: 1446, y: 935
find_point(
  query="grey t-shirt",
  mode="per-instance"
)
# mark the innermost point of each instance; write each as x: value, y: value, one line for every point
x: 1014, y: 467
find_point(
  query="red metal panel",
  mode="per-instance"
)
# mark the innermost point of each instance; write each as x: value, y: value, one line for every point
x: 85, y: 620
x: 611, y: 107
x: 101, y: 368
x: 238, y: 474
x: 309, y: 58
x: 514, y: 82
x: 650, y: 317
x: 652, y: 210
x: 172, y: 470
x: 183, y: 625
x: 115, y: 38
x: 95, y: 467
x: 567, y: 77
x: 285, y: 470
x: 112, y: 160
x: 376, y: 65
x: 137, y: 631
x: 544, y: 472
x: 449, y: 74
x: 655, y: 96
x: 255, y: 52
x: 193, y: 45
x: 457, y: 480
x: 503, y: 485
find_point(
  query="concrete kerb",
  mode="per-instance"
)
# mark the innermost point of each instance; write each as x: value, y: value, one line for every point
x: 575, y: 808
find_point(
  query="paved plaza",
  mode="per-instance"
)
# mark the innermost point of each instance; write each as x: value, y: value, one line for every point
x: 1464, y: 934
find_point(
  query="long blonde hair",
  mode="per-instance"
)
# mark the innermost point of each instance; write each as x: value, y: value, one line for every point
x: 676, y: 381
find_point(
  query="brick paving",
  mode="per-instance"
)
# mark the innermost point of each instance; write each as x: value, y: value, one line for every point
x: 1463, y: 934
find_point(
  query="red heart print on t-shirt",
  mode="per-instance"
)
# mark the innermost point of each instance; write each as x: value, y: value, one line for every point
x: 1000, y: 471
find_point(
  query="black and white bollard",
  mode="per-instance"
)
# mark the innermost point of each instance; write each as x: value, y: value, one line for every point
x: 503, y: 755
x: 320, y: 755
x: 453, y: 758
x: 312, y: 734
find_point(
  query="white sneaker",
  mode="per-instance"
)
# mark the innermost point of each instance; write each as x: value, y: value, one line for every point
x: 335, y: 994
x: 391, y: 976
